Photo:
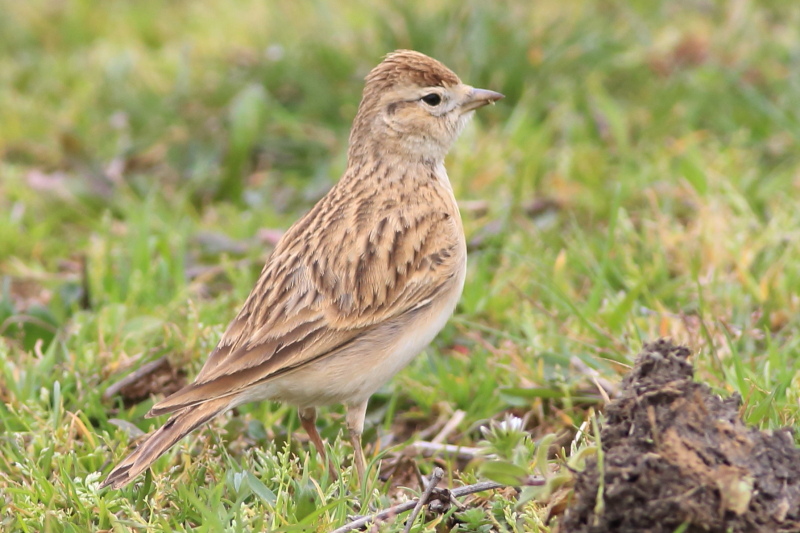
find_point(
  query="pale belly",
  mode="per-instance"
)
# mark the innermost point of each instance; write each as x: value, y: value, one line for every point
x: 354, y: 373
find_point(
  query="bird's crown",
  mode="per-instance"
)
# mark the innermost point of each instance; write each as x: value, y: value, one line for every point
x: 403, y: 67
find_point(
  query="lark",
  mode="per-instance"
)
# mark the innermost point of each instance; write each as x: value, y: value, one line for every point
x: 357, y: 287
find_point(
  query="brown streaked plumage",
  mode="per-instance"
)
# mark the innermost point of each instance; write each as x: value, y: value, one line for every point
x: 358, y: 286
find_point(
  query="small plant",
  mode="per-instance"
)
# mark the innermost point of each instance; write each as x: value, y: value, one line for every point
x: 516, y: 459
x: 511, y: 452
x: 473, y: 520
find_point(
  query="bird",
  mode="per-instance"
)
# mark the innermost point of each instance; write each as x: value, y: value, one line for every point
x: 357, y: 287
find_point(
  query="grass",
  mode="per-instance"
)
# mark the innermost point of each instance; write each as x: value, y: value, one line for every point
x: 640, y: 180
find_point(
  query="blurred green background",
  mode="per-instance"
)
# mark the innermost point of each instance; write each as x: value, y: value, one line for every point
x: 641, y: 179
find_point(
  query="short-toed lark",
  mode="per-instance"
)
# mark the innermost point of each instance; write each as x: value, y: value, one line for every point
x: 358, y: 286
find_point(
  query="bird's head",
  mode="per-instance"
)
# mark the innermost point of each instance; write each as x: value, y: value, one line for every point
x: 413, y: 107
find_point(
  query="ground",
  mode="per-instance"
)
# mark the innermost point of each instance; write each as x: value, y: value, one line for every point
x: 675, y: 455
x: 640, y: 180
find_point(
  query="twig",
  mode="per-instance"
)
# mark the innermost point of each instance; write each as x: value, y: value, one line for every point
x: 436, y: 477
x: 135, y: 376
x: 407, y: 506
x: 464, y: 453
x: 434, y: 428
x: 449, y: 427
x: 442, y: 492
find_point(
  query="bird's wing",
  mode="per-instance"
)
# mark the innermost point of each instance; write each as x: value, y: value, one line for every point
x: 316, y: 295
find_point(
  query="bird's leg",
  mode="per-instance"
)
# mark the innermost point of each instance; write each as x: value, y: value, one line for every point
x: 308, y: 418
x: 355, y: 425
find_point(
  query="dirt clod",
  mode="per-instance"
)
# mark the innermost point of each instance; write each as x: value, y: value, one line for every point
x: 677, y: 457
x: 155, y: 377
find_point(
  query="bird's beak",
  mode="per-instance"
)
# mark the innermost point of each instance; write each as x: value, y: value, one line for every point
x: 478, y: 98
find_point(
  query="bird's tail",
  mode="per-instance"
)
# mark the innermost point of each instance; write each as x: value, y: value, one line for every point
x: 178, y: 426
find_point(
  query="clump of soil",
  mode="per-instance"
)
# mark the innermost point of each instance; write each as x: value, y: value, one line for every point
x: 677, y: 457
x: 155, y: 377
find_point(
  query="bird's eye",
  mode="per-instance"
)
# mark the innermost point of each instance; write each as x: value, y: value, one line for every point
x: 432, y: 99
